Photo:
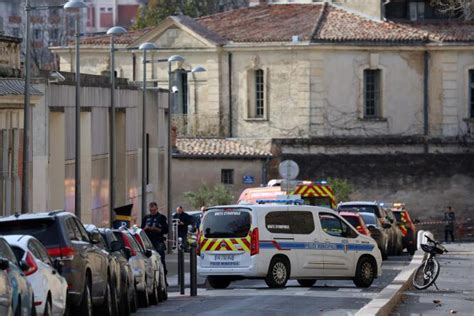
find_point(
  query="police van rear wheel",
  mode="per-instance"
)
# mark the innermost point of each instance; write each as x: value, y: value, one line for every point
x: 307, y: 282
x: 278, y: 273
x: 218, y: 282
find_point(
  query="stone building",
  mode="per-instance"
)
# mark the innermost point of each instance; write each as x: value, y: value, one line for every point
x: 386, y: 103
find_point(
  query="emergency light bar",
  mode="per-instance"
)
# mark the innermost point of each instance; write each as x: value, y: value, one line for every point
x: 282, y: 201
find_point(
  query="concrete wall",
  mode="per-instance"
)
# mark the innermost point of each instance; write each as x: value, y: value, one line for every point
x: 185, y: 177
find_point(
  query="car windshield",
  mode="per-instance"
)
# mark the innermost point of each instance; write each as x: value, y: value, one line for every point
x: 369, y: 219
x: 222, y: 223
x: 44, y: 230
x: 360, y: 208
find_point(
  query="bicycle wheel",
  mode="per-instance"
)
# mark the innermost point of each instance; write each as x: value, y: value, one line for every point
x: 426, y: 274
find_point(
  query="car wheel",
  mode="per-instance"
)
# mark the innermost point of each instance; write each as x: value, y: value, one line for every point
x: 143, y: 298
x: 384, y: 251
x: 48, y: 309
x: 306, y: 282
x: 278, y: 273
x: 411, y: 249
x: 154, y: 294
x: 18, y: 308
x: 107, y: 307
x: 218, y: 282
x: 162, y: 291
x: 133, y: 300
x: 365, y: 273
x: 85, y: 307
x: 125, y: 305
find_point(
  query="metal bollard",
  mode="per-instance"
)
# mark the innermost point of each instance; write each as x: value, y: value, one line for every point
x: 193, y: 269
x: 181, y: 266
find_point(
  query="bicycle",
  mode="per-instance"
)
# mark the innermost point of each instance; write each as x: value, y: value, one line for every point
x: 428, y: 271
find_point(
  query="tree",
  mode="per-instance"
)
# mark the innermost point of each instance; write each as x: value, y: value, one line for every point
x: 342, y: 189
x: 206, y: 196
x: 454, y: 7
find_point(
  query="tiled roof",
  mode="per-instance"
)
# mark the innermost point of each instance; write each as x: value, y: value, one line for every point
x: 217, y: 147
x: 315, y: 22
x: 265, y: 23
x: 15, y: 87
x: 104, y: 39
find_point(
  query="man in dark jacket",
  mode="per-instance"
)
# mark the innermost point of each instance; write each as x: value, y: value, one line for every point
x: 156, y: 227
x: 184, y: 220
x: 449, y: 220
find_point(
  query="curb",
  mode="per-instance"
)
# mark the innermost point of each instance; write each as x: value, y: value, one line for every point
x: 389, y: 297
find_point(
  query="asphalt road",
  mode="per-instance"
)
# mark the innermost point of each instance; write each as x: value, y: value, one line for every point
x: 254, y: 297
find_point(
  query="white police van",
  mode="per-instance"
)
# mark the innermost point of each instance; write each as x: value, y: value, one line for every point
x: 281, y: 242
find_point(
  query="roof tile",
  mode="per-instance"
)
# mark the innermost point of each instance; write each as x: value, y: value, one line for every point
x: 15, y: 87
x: 217, y: 147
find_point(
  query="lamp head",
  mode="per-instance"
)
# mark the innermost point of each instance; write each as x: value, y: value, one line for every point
x: 74, y: 5
x: 116, y: 30
x: 174, y: 89
x: 175, y: 58
x: 147, y: 46
x: 198, y: 69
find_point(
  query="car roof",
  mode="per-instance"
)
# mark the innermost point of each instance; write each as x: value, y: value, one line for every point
x: 276, y: 207
x: 36, y: 215
x: 358, y: 203
x: 353, y: 214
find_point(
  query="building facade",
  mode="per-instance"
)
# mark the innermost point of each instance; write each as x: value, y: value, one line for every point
x: 324, y: 82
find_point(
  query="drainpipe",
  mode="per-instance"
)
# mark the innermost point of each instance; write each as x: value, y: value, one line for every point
x: 229, y: 62
x: 134, y: 66
x: 426, y: 130
x: 265, y: 170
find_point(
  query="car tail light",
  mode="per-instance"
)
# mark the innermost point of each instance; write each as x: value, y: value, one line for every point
x: 127, y: 244
x: 62, y: 253
x: 32, y: 266
x: 254, y: 242
x: 198, y: 243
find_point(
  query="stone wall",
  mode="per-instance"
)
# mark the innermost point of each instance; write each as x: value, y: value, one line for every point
x: 427, y: 183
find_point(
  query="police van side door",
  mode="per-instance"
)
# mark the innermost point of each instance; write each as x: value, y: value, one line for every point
x: 338, y: 257
x: 307, y: 243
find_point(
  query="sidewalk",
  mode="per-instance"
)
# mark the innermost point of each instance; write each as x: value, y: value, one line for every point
x: 455, y: 283
x: 172, y: 266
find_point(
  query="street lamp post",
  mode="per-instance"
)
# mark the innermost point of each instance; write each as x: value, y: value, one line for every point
x: 114, y: 31
x: 144, y: 47
x: 76, y: 6
x: 25, y: 191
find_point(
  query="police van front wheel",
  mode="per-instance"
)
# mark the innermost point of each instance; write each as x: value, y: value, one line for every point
x: 278, y: 273
x: 365, y: 273
x: 218, y: 282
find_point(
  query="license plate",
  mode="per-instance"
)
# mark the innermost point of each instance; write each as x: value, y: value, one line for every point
x: 224, y: 257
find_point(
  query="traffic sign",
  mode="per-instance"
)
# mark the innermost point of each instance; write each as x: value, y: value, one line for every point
x: 288, y: 169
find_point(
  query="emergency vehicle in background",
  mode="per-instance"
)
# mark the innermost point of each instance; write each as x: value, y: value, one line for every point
x: 316, y: 193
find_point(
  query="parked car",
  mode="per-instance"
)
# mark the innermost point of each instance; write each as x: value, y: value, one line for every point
x: 357, y: 221
x: 84, y: 265
x: 377, y: 232
x: 138, y: 263
x: 128, y: 298
x: 5, y: 288
x: 396, y: 234
x: 155, y: 264
x: 113, y: 264
x: 407, y: 227
x: 50, y: 287
x: 394, y: 241
x: 21, y: 299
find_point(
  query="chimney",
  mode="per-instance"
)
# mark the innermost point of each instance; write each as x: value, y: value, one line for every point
x: 253, y: 3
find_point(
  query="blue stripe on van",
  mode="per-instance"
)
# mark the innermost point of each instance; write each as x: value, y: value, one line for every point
x: 318, y: 246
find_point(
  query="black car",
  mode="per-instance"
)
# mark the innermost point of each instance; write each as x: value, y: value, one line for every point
x: 79, y: 259
x: 128, y: 302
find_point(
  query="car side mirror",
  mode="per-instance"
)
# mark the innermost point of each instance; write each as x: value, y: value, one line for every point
x: 115, y: 246
x: 386, y: 225
x: 127, y: 252
x: 23, y: 265
x: 4, y: 264
x: 95, y: 237
x: 148, y: 253
x: 58, y: 265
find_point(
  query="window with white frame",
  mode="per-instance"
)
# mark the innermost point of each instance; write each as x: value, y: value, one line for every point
x: 372, y: 93
x: 471, y: 94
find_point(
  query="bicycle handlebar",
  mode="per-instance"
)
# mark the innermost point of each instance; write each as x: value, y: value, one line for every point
x: 436, y: 243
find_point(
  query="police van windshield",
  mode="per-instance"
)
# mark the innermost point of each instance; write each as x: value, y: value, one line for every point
x: 222, y: 223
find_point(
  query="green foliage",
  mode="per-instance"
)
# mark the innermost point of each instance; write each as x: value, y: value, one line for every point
x: 208, y: 196
x: 342, y: 189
